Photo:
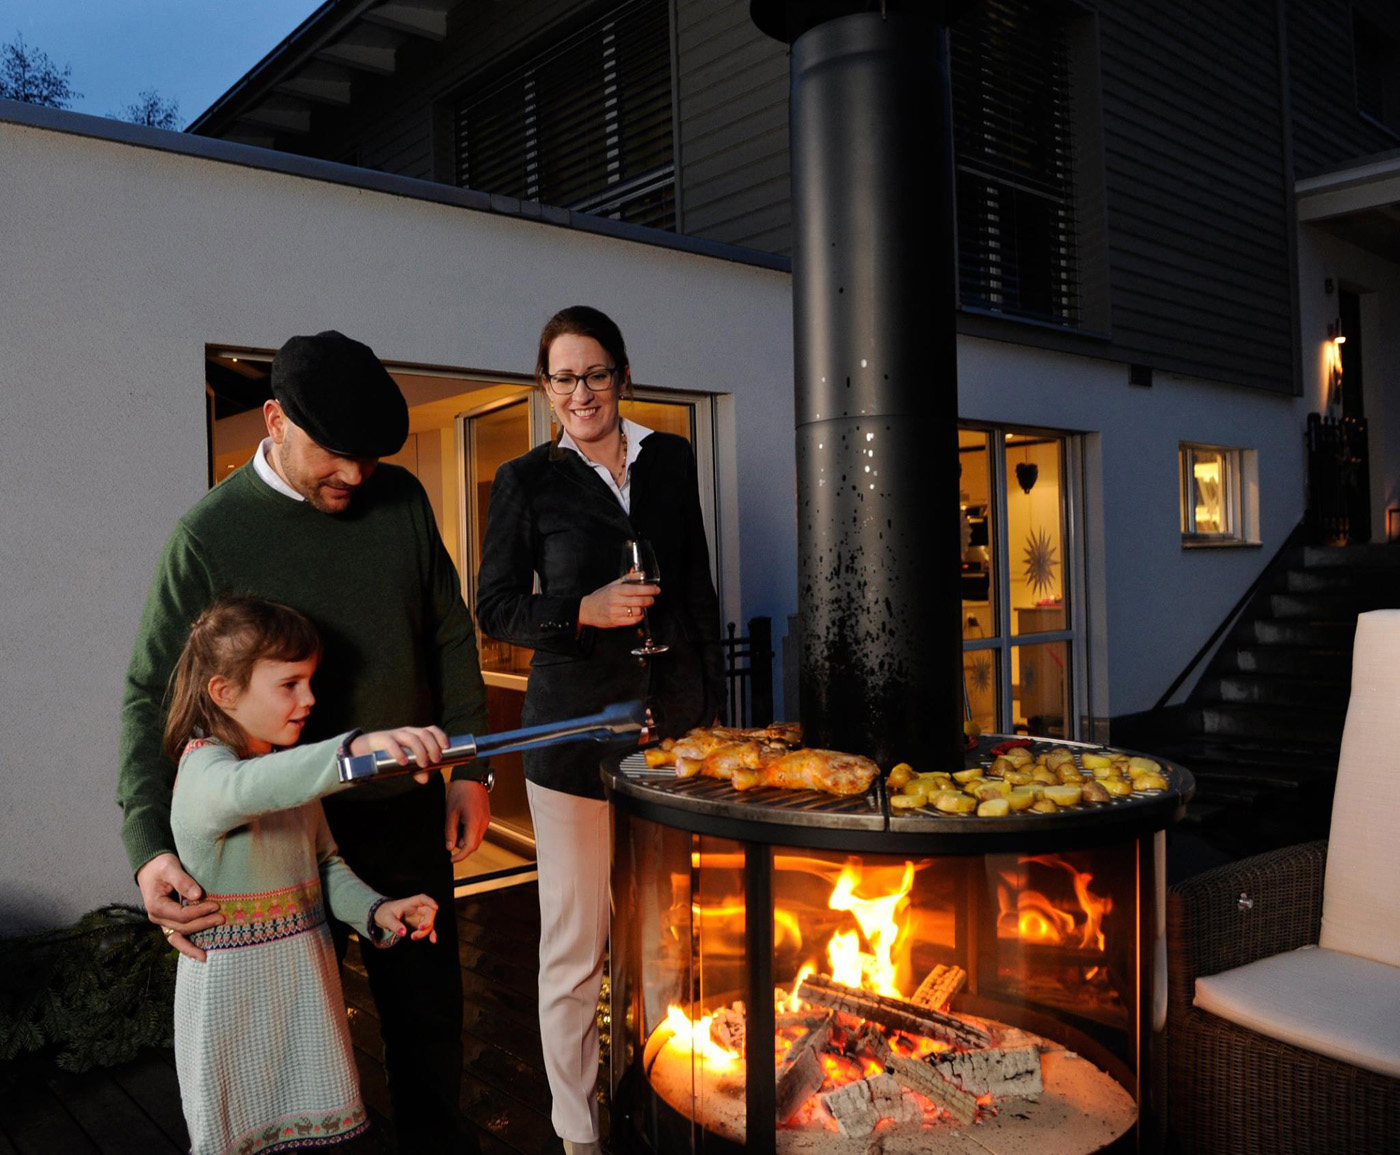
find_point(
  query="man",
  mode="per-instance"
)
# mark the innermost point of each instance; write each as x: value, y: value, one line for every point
x: 314, y: 521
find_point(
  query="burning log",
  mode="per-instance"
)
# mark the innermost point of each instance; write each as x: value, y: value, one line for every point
x: 801, y: 1076
x: 859, y: 1107
x: 815, y: 1040
x: 897, y: 1014
x: 999, y: 1071
x: 922, y: 1079
x: 727, y: 1028
x: 798, y: 1082
x: 939, y: 987
x: 869, y: 1040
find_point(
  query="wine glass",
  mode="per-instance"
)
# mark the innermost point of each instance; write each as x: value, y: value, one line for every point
x: 639, y: 565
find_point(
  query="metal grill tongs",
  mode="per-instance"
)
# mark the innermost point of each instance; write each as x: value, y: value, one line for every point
x: 618, y: 721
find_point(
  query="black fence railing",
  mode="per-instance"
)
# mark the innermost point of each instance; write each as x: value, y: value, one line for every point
x: 748, y: 672
x: 1339, y: 489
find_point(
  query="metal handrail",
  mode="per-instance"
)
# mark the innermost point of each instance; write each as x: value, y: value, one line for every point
x: 1232, y: 617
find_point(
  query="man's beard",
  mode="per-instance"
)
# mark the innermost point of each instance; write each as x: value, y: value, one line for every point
x: 315, y: 492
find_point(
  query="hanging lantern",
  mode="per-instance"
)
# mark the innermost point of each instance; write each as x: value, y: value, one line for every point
x: 1026, y: 473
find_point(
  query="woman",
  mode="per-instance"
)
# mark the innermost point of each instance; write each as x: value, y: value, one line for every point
x: 563, y: 511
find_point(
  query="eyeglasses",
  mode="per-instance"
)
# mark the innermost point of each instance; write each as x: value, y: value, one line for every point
x: 565, y: 383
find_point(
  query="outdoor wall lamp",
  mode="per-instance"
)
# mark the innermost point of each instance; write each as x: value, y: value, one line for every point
x: 1335, y: 340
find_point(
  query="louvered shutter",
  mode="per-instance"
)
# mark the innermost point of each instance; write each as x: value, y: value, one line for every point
x: 585, y: 124
x: 1013, y: 139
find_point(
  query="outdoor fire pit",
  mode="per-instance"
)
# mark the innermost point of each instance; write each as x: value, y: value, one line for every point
x: 952, y: 983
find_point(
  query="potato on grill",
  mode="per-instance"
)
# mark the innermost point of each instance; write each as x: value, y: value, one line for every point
x: 1026, y: 781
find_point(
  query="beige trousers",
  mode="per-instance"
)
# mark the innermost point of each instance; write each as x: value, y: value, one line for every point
x: 572, y: 845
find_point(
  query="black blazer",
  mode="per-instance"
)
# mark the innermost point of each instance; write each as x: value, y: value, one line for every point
x: 552, y: 515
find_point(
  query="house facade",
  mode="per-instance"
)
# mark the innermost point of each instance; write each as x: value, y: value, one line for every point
x: 1166, y: 216
x: 1150, y: 283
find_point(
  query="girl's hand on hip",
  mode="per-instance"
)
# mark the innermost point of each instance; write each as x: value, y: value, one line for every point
x: 619, y: 603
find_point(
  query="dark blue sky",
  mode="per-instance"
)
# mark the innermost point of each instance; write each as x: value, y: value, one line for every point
x: 191, y: 51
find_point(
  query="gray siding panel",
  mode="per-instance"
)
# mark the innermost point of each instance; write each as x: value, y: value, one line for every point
x: 732, y: 92
x: 1328, y: 130
x: 1198, y: 204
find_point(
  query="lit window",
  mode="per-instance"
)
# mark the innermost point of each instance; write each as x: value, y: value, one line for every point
x: 1218, y: 495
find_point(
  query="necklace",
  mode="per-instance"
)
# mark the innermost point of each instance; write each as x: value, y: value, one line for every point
x: 620, y: 473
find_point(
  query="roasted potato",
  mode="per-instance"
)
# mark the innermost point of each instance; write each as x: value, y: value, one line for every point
x: 1064, y: 795
x: 1020, y: 799
x: 950, y: 802
x: 1093, y: 791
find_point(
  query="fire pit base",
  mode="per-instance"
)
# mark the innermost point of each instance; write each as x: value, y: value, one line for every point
x: 1080, y: 1109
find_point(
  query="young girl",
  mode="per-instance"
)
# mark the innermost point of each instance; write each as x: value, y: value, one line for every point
x: 261, y: 1043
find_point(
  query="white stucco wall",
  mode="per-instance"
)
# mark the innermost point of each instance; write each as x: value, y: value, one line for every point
x: 1152, y: 603
x: 121, y: 264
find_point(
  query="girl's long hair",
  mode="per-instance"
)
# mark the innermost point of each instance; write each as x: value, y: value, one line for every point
x: 229, y: 639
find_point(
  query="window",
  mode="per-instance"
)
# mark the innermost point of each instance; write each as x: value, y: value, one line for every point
x: 1022, y: 664
x: 1377, y: 58
x: 584, y: 124
x: 1013, y: 138
x: 1218, y: 495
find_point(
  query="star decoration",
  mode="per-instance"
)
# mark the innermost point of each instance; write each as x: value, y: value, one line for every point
x: 979, y: 673
x: 1040, y: 561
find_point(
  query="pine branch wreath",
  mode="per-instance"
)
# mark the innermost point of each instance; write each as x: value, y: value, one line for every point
x: 90, y: 995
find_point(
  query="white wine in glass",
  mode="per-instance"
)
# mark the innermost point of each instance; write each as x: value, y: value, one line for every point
x: 639, y: 565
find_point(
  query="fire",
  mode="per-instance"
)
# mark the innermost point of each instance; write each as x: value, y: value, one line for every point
x: 1035, y: 918
x: 695, y: 1038
x: 880, y: 925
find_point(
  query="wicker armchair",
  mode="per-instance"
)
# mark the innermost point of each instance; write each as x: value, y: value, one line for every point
x: 1231, y: 1089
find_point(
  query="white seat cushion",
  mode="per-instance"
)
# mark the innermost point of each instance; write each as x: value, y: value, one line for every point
x: 1360, y: 898
x: 1334, y: 1004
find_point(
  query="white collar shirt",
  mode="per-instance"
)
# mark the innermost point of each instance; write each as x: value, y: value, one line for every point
x: 263, y: 468
x: 636, y: 434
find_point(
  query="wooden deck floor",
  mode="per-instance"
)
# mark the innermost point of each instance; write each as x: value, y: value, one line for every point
x: 136, y: 1108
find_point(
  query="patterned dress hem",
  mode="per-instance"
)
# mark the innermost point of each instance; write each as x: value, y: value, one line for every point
x: 295, y: 1131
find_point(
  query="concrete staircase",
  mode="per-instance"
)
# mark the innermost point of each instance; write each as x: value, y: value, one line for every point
x: 1262, y: 728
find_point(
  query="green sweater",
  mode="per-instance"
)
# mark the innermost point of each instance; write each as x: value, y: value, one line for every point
x: 399, y: 644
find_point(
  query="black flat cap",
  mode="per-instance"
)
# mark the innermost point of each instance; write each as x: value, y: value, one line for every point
x: 339, y: 393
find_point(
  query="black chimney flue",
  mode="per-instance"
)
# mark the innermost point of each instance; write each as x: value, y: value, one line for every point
x: 874, y: 297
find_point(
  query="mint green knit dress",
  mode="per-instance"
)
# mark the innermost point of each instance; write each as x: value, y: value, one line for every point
x: 261, y: 1043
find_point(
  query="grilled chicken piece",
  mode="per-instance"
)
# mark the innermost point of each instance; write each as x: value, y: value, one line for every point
x: 828, y: 771
x: 763, y: 756
x: 686, y: 754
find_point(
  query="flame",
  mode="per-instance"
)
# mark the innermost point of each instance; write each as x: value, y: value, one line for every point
x: 787, y: 932
x: 695, y: 1038
x: 793, y: 1002
x: 880, y: 925
x: 1035, y: 918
